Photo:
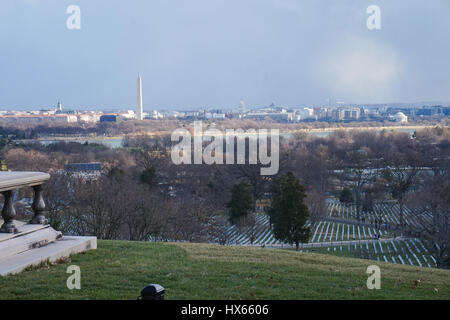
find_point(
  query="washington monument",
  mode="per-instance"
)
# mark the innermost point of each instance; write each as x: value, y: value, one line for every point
x: 140, y: 115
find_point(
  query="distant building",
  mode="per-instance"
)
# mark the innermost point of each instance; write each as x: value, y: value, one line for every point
x: 83, y: 167
x: 209, y: 115
x: 129, y: 114
x: 155, y: 115
x: 304, y: 114
x: 352, y: 114
x: 108, y: 118
x: 88, y: 117
x: 430, y: 111
x: 242, y: 106
x: 29, y: 118
x: 276, y: 116
x: 342, y: 114
x: 337, y: 114
x: 400, y: 117
x: 192, y: 114
x: 321, y: 113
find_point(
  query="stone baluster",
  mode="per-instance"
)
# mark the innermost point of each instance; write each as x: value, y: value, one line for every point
x: 8, y: 213
x: 38, y: 207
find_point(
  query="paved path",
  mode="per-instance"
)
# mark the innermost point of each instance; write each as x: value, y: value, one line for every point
x: 356, y: 223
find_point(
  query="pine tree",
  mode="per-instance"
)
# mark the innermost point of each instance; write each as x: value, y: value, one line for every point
x: 241, y: 202
x: 289, y: 213
x: 148, y: 176
x: 346, y: 196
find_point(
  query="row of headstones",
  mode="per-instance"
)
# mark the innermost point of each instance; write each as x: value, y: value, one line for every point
x: 388, y: 213
x: 346, y: 232
x: 263, y: 234
x: 324, y: 231
x: 266, y: 238
x: 397, y: 253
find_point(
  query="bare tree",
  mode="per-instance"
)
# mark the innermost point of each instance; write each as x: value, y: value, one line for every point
x: 57, y: 198
x: 247, y: 225
x: 402, y: 168
x: 218, y: 229
x: 98, y: 208
x: 433, y: 198
x: 316, y: 205
x: 186, y: 221
x: 146, y: 211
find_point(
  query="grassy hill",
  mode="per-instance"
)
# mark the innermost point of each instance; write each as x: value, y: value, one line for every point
x: 120, y: 269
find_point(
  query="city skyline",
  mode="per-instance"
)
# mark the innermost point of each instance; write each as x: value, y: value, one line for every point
x: 214, y: 53
x: 236, y: 106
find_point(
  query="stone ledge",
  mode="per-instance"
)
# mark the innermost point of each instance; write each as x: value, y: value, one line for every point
x: 19, y: 179
x: 23, y: 230
x: 28, y: 241
x: 52, y: 252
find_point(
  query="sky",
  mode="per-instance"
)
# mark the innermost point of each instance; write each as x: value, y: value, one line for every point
x: 212, y: 53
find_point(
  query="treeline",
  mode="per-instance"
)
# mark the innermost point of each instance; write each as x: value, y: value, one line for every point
x: 13, y: 133
x: 117, y: 206
x: 35, y: 130
x: 24, y: 130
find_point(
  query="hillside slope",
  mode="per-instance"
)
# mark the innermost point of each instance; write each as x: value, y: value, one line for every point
x: 120, y: 269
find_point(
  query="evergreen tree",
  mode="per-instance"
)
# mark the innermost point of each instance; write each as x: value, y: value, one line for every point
x: 148, y: 176
x: 289, y: 213
x: 346, y: 196
x: 241, y: 202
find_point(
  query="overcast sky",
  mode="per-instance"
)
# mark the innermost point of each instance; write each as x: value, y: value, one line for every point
x: 212, y: 53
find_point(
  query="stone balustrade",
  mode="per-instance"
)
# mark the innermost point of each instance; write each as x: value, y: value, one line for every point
x: 11, y: 181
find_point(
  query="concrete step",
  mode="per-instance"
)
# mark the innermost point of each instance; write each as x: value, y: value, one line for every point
x: 23, y: 228
x: 28, y: 240
x: 54, y: 251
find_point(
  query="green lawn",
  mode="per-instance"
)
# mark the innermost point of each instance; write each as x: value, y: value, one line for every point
x: 120, y: 269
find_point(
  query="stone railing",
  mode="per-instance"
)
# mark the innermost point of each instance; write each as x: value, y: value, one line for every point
x: 9, y: 182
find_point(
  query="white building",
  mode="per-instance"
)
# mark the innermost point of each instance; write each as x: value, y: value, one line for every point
x: 276, y: 116
x: 399, y: 117
x: 155, y: 115
x: 218, y: 115
x: 39, y: 118
x: 88, y: 117
x: 242, y: 106
x: 129, y: 114
x: 304, y: 114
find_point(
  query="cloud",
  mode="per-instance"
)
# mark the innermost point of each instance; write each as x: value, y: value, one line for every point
x: 359, y: 69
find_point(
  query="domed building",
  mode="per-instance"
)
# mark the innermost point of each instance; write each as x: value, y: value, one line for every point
x: 400, y: 117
